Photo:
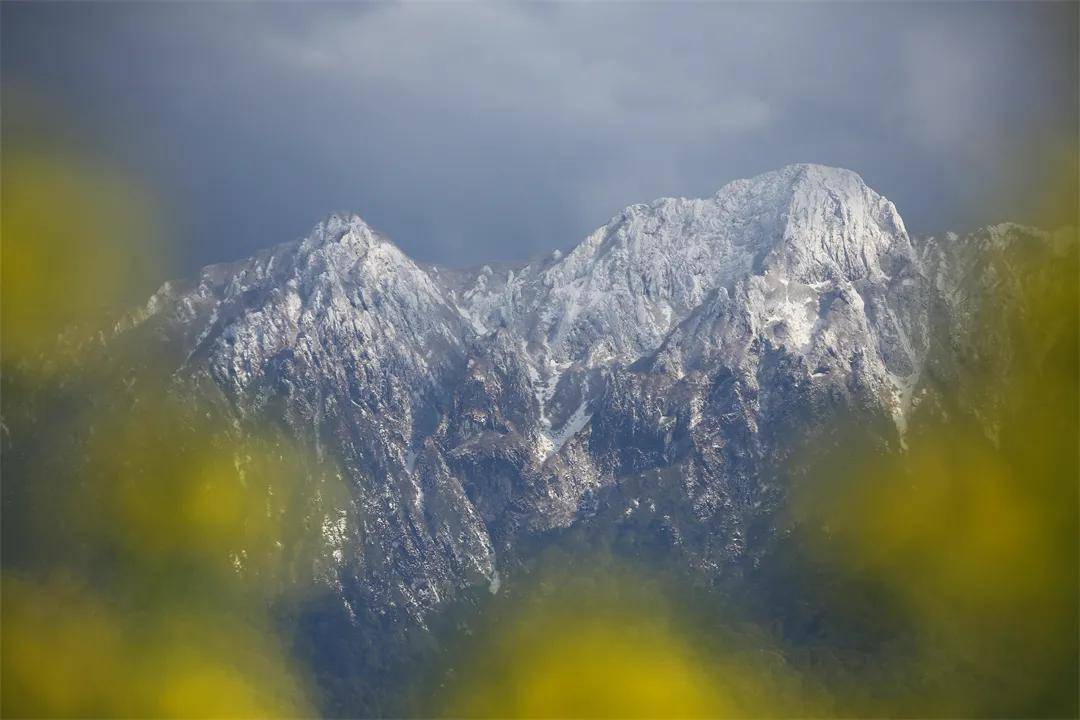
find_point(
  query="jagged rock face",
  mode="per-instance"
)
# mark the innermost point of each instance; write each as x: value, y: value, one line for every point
x: 669, y: 364
x: 618, y: 294
x: 352, y: 345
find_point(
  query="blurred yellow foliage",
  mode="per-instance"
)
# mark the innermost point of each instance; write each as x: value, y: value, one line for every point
x: 974, y: 528
x: 67, y: 652
x: 173, y: 534
x: 160, y: 538
x: 609, y: 643
x: 172, y: 543
x: 76, y: 238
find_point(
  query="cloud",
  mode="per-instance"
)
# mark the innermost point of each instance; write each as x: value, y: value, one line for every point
x: 943, y: 88
x: 508, y: 61
x: 471, y: 132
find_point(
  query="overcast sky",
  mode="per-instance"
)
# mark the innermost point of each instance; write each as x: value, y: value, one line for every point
x: 472, y: 132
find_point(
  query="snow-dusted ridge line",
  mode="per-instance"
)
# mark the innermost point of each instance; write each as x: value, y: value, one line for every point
x: 645, y: 270
x: 470, y: 407
x: 613, y: 298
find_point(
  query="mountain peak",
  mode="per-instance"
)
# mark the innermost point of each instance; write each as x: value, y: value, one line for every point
x: 795, y: 178
x: 342, y: 228
x: 829, y: 174
x: 813, y: 173
x: 619, y: 292
x: 816, y: 221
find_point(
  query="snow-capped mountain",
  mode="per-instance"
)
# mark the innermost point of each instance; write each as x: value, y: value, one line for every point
x: 617, y: 295
x: 668, y: 365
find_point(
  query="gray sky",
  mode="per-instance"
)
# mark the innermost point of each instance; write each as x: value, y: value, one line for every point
x: 472, y: 132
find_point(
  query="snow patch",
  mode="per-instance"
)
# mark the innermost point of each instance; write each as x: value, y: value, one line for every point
x: 552, y: 442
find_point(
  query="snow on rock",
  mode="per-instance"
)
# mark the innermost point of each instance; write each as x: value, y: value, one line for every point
x: 629, y: 283
x: 675, y: 333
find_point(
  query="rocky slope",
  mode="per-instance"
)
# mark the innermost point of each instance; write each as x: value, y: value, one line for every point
x: 667, y: 367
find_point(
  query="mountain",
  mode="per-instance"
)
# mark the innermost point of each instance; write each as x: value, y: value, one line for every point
x: 660, y: 376
x: 470, y: 407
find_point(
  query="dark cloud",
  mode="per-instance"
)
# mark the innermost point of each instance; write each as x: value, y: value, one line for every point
x: 473, y: 132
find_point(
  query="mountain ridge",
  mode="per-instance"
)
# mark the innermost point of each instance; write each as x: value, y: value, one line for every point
x: 661, y: 390
x: 705, y: 338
